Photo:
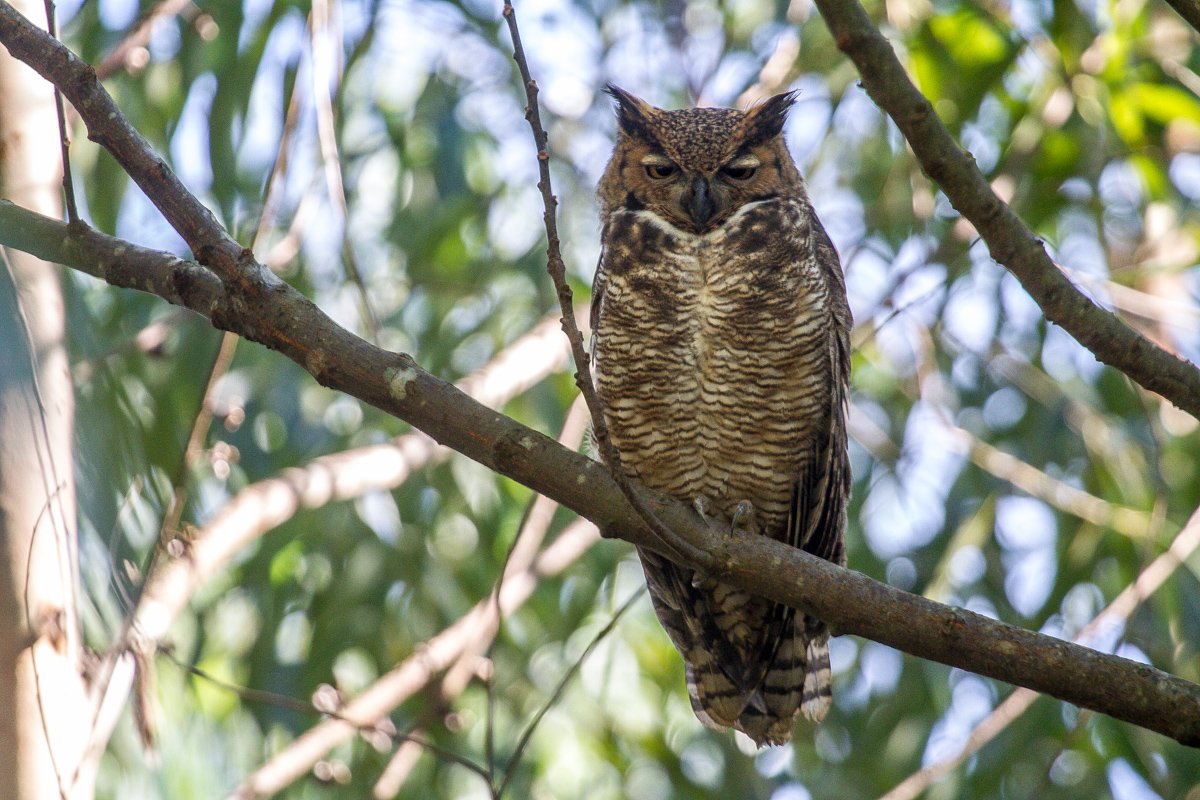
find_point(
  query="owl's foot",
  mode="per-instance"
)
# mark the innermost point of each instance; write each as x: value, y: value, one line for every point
x: 700, y: 503
x: 745, y: 519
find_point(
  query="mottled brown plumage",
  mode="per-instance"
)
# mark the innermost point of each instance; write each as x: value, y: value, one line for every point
x: 721, y: 345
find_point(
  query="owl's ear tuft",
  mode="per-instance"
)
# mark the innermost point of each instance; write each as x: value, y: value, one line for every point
x: 765, y: 120
x: 634, y: 115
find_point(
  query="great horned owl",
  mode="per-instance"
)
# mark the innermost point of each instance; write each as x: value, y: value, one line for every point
x: 722, y: 354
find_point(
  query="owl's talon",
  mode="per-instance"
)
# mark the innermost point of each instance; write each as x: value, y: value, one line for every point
x: 744, y: 518
x: 700, y: 503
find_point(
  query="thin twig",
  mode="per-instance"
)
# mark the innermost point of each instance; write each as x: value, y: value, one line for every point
x: 168, y: 532
x: 221, y: 362
x: 64, y: 138
x: 273, y: 189
x: 684, y: 551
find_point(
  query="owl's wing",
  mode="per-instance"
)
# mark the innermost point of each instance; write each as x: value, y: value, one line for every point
x: 599, y: 282
x: 794, y: 646
x: 818, y: 512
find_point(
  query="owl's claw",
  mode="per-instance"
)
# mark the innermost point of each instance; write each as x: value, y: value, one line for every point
x: 700, y: 503
x: 744, y: 518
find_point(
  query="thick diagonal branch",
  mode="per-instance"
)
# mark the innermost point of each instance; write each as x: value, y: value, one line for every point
x: 1010, y: 242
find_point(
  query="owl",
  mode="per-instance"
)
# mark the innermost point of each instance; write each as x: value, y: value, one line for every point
x: 722, y: 356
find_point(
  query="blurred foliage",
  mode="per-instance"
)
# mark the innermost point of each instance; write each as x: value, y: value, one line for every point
x: 1084, y: 114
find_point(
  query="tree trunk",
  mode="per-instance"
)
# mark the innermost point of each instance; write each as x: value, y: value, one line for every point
x: 44, y: 710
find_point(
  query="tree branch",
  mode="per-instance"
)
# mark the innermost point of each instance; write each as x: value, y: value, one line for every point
x: 1010, y: 242
x: 262, y: 308
x: 1189, y: 10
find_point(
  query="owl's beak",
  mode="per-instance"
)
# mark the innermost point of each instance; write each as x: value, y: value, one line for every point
x: 698, y: 202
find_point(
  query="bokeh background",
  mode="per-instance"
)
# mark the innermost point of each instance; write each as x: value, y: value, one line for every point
x: 374, y: 152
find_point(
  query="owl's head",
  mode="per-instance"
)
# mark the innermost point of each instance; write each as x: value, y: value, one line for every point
x: 694, y: 168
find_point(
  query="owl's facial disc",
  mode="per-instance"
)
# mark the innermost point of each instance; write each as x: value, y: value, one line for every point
x: 697, y: 200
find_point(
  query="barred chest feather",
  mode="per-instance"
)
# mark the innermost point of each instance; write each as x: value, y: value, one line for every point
x: 713, y: 354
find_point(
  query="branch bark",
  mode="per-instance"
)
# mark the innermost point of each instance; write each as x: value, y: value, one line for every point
x: 1010, y: 242
x: 260, y: 307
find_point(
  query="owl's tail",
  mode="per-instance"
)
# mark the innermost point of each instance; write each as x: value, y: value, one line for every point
x: 818, y: 681
x: 796, y: 681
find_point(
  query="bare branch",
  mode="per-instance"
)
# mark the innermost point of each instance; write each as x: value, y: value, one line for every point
x: 1010, y: 242
x: 64, y: 142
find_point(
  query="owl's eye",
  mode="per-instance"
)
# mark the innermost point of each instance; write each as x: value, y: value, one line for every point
x: 739, y: 173
x: 661, y: 171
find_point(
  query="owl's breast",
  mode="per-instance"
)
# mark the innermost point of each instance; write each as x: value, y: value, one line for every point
x: 712, y: 355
